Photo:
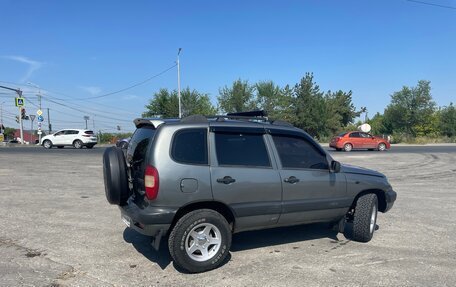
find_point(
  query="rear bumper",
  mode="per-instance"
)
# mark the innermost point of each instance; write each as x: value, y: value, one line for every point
x: 151, y: 221
x: 390, y: 197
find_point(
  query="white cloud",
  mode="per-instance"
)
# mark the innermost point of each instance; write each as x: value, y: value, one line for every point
x: 130, y: 97
x: 91, y: 90
x: 32, y: 65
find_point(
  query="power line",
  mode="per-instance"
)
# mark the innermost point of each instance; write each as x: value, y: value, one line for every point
x: 130, y: 87
x: 432, y: 4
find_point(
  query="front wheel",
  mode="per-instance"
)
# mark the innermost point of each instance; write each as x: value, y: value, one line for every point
x: 47, y: 144
x: 365, y: 217
x: 200, y: 241
x: 381, y: 147
x: 77, y: 144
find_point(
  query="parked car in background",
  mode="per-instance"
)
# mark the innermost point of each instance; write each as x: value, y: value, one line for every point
x: 70, y: 137
x: 359, y: 140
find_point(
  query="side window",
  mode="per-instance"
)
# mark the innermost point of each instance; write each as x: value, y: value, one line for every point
x: 60, y: 133
x: 71, y: 132
x: 239, y: 149
x: 295, y: 152
x: 190, y: 146
x: 355, y: 135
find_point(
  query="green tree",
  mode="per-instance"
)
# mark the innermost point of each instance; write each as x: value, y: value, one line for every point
x: 447, y: 121
x: 276, y: 101
x: 237, y: 98
x: 165, y: 104
x: 310, y: 107
x: 340, y: 110
x: 411, y: 110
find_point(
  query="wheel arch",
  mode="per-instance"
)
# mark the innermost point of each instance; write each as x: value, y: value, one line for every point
x: 380, y: 196
x: 217, y: 206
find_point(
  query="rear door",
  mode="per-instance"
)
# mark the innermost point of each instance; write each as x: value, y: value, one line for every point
x: 70, y: 136
x: 244, y: 176
x: 311, y: 192
x: 356, y: 140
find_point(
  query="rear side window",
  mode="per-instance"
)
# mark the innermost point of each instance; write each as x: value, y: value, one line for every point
x: 295, y: 152
x: 241, y: 149
x: 190, y: 146
x: 137, y: 147
x: 354, y: 135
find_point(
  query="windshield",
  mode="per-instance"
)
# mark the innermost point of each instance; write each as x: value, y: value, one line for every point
x: 138, y: 144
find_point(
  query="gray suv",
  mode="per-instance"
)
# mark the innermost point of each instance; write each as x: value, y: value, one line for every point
x: 198, y: 180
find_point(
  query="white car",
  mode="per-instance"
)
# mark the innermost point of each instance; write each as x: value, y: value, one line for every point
x: 70, y: 137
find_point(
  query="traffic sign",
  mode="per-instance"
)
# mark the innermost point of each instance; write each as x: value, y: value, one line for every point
x: 39, y: 112
x: 20, y: 102
x: 40, y: 118
x: 32, y: 117
x: 39, y: 132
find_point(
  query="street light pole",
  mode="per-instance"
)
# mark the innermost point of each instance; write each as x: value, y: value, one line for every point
x: 39, y: 100
x: 178, y: 84
x: 1, y: 117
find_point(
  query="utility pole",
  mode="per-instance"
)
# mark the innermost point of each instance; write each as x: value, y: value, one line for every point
x: 49, y: 122
x: 179, y: 83
x: 32, y: 132
x: 1, y: 117
x: 86, y: 118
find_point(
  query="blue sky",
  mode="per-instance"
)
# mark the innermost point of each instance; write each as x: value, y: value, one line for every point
x: 79, y: 49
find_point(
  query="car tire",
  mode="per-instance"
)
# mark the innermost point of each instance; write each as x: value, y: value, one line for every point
x: 60, y: 146
x: 207, y: 251
x: 381, y: 147
x: 348, y: 147
x: 89, y: 146
x: 78, y: 144
x: 115, y: 176
x: 47, y: 144
x: 365, y: 217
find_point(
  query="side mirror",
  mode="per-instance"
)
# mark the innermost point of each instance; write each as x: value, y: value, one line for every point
x: 335, y: 166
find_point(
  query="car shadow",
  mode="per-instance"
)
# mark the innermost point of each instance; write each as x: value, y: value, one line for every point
x: 241, y: 241
x: 143, y: 244
x: 282, y: 235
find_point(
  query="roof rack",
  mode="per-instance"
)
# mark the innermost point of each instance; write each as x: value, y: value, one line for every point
x: 258, y: 116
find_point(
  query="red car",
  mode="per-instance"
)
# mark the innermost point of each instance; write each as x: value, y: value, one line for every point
x: 359, y: 140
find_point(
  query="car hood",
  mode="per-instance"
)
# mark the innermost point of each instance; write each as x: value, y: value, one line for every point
x: 346, y: 168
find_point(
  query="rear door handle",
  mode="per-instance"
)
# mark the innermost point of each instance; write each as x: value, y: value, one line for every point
x: 226, y: 180
x: 291, y: 179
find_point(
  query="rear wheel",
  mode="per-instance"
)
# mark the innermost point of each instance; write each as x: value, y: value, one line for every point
x: 77, y: 144
x: 348, y: 147
x: 381, y: 146
x: 47, y: 144
x: 365, y: 217
x: 200, y: 241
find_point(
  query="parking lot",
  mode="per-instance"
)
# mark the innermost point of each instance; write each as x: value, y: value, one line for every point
x: 57, y: 229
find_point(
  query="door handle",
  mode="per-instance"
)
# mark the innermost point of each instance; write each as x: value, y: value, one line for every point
x: 291, y: 179
x: 226, y: 180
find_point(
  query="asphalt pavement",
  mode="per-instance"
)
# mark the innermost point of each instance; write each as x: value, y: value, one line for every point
x: 57, y: 229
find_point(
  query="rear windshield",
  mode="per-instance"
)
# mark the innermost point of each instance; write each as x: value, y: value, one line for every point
x: 138, y: 144
x: 89, y: 132
x: 342, y: 134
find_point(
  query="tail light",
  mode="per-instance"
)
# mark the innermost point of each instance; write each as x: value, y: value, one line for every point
x: 338, y: 139
x: 151, y: 182
x: 86, y: 135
